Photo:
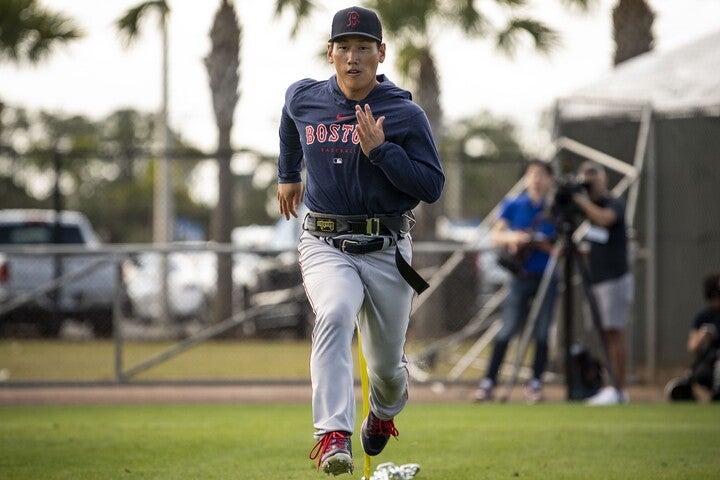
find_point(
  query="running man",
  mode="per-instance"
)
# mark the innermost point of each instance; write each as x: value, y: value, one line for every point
x: 370, y: 159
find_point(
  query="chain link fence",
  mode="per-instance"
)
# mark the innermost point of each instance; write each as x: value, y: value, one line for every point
x: 123, y: 309
x: 106, y: 305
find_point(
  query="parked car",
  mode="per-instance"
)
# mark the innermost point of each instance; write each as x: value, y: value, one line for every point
x: 259, y: 281
x: 187, y: 286
x: 267, y: 283
x: 276, y: 295
x: 192, y: 279
x: 88, y: 297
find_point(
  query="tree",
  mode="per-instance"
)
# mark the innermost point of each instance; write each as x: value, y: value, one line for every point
x: 29, y: 32
x: 124, y: 134
x: 487, y: 158
x: 223, y: 65
x: 106, y: 168
x: 118, y: 177
x: 632, y: 29
x: 129, y: 28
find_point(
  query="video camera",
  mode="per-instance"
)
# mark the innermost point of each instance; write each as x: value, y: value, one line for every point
x: 563, y: 205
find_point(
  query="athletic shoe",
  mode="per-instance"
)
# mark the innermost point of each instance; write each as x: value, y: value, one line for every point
x: 608, y: 396
x: 334, y: 453
x: 375, y: 434
x: 533, y: 392
x: 484, y: 393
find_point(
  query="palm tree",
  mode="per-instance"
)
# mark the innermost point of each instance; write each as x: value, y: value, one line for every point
x: 223, y: 66
x: 632, y: 29
x: 129, y: 27
x: 29, y: 32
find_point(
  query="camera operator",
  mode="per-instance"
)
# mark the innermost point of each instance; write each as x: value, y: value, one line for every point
x: 704, y: 339
x: 612, y: 281
x: 525, y: 231
x: 704, y: 345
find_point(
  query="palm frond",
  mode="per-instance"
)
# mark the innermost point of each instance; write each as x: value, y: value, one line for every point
x: 544, y: 37
x: 128, y: 25
x: 405, y: 17
x: 580, y: 5
x: 51, y: 29
x: 513, y: 3
x: 29, y: 31
x: 407, y: 59
x: 302, y: 9
x: 469, y: 18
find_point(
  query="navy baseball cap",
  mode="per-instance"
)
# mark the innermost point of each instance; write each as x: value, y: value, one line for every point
x: 356, y: 21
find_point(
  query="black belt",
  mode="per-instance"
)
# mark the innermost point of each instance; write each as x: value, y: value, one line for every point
x: 359, y: 247
x: 327, y: 225
x: 396, y: 227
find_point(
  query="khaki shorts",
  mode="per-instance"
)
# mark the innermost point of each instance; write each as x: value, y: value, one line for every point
x: 614, y: 298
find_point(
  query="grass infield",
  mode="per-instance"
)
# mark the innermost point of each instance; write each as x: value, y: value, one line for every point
x: 449, y: 441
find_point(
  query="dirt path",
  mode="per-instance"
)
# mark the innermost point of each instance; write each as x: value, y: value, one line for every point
x: 252, y: 393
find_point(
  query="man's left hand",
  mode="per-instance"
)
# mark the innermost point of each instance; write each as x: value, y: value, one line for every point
x: 370, y: 131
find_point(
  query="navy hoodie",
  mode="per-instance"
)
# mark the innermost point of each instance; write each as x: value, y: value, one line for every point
x: 318, y: 125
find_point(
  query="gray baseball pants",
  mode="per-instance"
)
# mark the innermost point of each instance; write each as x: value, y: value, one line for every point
x: 343, y: 288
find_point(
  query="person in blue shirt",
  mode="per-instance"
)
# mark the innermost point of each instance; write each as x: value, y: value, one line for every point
x: 370, y: 158
x: 526, y: 230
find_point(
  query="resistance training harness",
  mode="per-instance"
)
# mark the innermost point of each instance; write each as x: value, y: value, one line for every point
x: 385, y: 230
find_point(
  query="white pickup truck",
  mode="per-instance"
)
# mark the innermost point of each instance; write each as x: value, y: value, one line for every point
x: 36, y: 254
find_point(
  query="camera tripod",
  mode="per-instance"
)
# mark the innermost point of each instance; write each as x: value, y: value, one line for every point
x: 567, y: 249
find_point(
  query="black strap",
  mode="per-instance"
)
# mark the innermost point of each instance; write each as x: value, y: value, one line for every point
x: 408, y: 273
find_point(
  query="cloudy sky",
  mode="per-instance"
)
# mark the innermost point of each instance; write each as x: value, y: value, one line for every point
x: 96, y: 75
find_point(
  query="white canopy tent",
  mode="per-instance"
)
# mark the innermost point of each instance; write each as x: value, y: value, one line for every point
x: 678, y: 81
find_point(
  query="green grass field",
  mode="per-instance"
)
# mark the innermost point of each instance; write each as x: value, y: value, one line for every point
x: 449, y: 441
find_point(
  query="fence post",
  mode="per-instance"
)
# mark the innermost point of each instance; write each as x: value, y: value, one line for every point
x: 117, y: 318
